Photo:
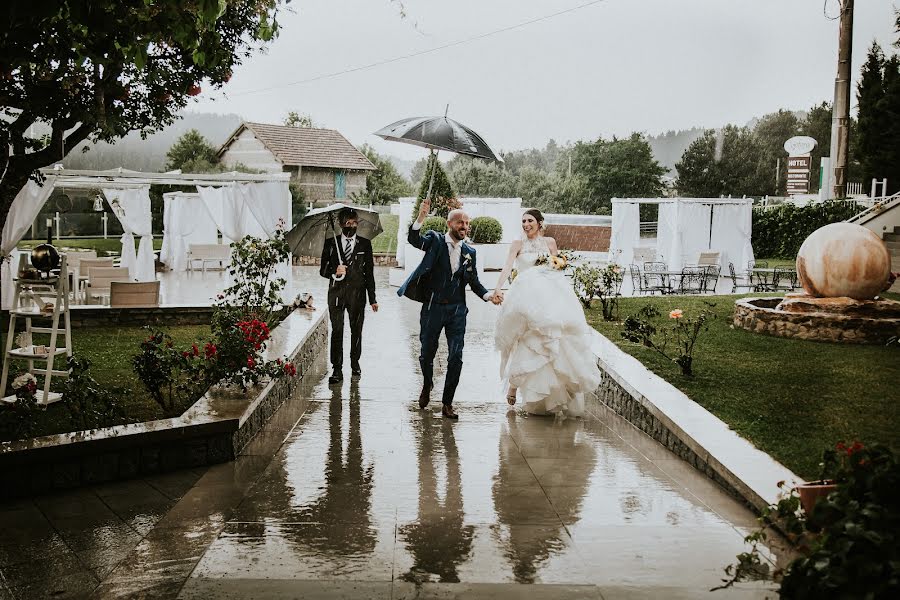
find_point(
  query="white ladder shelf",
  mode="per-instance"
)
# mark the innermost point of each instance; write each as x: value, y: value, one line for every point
x: 30, y: 299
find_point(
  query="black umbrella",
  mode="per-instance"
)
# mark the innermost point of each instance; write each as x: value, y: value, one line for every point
x: 436, y: 134
x: 307, y: 238
x: 439, y: 133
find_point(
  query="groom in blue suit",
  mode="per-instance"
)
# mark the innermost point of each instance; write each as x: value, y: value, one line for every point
x: 439, y: 283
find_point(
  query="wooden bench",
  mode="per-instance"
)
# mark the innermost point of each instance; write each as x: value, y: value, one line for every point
x: 208, y: 253
x: 143, y: 294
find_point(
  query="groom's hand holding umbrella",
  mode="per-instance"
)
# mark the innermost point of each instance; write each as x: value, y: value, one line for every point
x: 424, y: 209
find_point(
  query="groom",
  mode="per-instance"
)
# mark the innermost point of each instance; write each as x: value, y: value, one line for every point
x: 439, y: 283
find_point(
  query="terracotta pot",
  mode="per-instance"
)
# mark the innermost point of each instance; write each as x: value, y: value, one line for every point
x: 812, y: 491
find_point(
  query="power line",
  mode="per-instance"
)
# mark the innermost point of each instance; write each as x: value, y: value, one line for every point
x: 421, y: 52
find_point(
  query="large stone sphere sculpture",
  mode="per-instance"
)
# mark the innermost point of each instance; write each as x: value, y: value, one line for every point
x: 843, y: 260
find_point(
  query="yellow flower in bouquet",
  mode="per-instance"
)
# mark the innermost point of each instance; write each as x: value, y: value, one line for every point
x: 558, y: 262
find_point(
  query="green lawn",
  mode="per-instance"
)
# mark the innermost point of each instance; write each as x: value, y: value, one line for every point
x: 110, y: 350
x: 108, y: 247
x: 386, y: 242
x: 791, y: 398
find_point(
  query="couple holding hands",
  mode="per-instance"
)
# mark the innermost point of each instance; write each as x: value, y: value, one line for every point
x: 541, y: 332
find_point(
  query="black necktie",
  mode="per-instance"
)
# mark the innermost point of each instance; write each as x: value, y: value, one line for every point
x: 347, y: 247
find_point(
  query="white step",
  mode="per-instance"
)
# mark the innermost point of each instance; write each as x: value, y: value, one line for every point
x: 50, y: 399
x: 23, y: 353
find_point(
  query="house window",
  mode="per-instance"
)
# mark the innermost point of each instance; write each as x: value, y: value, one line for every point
x: 340, y: 185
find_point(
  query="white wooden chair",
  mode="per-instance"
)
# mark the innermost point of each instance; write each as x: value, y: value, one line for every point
x: 100, y: 279
x: 644, y: 254
x: 142, y: 294
x: 214, y: 254
x: 84, y: 266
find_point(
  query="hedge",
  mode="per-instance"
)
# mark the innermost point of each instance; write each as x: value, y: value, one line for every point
x: 438, y: 224
x: 485, y: 230
x: 779, y: 232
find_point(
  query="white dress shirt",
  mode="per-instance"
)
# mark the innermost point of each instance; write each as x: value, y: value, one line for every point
x: 454, y: 248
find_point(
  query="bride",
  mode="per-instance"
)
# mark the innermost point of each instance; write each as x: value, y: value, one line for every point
x: 542, y: 335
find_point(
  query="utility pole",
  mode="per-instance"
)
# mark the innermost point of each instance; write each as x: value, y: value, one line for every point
x: 840, y: 112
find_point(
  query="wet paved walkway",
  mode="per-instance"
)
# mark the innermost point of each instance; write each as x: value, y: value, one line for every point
x: 353, y: 492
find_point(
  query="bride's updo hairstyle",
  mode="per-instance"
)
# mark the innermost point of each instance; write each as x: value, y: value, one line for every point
x: 538, y: 216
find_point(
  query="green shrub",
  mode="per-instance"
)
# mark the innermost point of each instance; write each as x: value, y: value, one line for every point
x: 443, y: 198
x: 779, y: 232
x: 486, y: 230
x: 438, y: 224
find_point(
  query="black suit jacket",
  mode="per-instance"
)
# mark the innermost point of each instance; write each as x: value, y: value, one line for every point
x: 360, y: 279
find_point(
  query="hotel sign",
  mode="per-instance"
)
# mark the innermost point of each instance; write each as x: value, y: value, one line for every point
x: 799, y: 163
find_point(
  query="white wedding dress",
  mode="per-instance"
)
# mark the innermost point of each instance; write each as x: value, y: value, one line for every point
x: 544, y: 339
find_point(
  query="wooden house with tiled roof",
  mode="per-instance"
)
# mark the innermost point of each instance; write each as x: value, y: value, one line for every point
x: 323, y: 162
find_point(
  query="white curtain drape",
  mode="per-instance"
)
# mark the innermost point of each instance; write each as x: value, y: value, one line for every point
x: 692, y: 232
x: 270, y: 202
x: 732, y: 227
x: 228, y: 210
x: 667, y: 225
x: 626, y: 231
x: 186, y: 221
x: 132, y: 207
x: 24, y: 210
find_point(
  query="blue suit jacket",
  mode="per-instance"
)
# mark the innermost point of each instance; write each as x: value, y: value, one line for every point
x: 433, y: 275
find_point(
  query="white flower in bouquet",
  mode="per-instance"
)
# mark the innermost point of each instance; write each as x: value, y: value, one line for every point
x: 23, y: 381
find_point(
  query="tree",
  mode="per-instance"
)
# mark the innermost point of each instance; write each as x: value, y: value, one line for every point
x: 480, y: 178
x: 191, y: 153
x: 295, y: 119
x: 817, y: 125
x: 604, y: 169
x: 772, y: 131
x: 722, y: 163
x: 97, y: 70
x: 870, y: 139
x: 441, y: 190
x: 385, y: 185
x: 889, y: 107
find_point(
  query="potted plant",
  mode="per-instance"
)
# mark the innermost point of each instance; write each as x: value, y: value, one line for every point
x: 848, y: 544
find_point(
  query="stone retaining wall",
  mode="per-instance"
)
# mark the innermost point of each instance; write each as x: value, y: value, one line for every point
x: 211, y: 431
x: 631, y: 408
x: 759, y: 316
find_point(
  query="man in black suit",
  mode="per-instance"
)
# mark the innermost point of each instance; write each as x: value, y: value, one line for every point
x: 349, y: 267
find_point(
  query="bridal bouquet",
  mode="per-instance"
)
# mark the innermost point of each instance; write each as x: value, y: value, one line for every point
x: 557, y: 263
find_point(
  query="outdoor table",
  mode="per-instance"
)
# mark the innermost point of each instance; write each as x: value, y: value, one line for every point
x: 665, y: 278
x: 768, y: 273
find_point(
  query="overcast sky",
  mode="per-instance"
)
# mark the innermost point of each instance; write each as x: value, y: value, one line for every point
x: 607, y: 68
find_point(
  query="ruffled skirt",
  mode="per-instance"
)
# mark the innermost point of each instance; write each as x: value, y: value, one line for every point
x: 544, y: 343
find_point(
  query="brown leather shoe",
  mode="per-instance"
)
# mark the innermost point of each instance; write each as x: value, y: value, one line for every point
x: 447, y: 412
x: 425, y: 396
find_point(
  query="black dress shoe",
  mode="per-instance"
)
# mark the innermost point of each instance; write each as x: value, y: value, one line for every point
x: 447, y: 412
x: 336, y: 377
x: 424, y: 396
x: 356, y: 372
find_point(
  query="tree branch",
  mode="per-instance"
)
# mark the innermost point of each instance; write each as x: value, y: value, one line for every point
x: 43, y: 158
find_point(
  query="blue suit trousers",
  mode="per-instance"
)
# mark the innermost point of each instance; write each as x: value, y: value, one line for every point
x: 452, y: 319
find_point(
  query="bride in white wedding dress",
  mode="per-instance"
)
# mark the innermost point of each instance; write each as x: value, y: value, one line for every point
x: 542, y: 335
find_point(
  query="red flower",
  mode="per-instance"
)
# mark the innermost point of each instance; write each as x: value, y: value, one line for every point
x: 856, y: 447
x: 290, y: 369
x: 250, y: 362
x: 195, y: 350
x: 210, y: 350
x: 186, y: 354
x: 841, y: 447
x: 194, y: 90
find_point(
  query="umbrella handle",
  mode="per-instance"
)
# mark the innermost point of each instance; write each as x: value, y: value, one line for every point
x: 337, y: 248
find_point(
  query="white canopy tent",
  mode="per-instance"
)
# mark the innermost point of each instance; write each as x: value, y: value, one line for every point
x: 256, y: 201
x: 686, y: 227
x: 185, y: 221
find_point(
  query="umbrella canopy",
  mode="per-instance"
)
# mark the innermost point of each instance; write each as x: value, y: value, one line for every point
x: 307, y: 238
x: 439, y: 133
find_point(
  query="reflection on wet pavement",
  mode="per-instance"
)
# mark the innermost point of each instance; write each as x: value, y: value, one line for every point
x: 353, y: 492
